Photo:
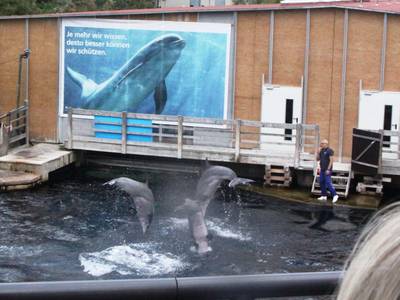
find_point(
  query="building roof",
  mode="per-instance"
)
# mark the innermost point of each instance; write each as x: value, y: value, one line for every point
x: 390, y: 7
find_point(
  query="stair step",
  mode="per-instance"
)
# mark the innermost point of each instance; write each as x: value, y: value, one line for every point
x: 16, y: 180
x: 339, y: 186
x: 340, y: 181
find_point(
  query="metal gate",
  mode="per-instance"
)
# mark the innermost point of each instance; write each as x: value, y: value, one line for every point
x: 366, y: 155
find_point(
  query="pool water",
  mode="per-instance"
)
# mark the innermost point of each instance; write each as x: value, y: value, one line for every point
x: 74, y: 228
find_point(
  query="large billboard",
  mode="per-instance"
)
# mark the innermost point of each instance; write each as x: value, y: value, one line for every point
x: 169, y: 68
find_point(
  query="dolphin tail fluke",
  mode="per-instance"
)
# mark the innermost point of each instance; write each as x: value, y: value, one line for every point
x: 239, y: 181
x: 88, y: 86
x: 160, y: 96
x: 78, y: 78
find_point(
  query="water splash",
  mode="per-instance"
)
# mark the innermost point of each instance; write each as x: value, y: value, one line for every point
x: 141, y: 259
x: 220, y: 229
x: 178, y: 223
x: 217, y: 226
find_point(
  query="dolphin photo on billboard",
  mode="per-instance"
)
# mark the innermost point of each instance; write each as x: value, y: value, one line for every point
x: 171, y: 68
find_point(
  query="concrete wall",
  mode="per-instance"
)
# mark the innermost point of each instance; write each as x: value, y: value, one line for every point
x: 252, y: 61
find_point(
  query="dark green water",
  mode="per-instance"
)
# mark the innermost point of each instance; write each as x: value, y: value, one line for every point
x: 73, y: 228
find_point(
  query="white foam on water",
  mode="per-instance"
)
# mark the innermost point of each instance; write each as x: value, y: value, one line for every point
x: 220, y: 229
x: 142, y: 259
x: 20, y: 251
x: 215, y: 225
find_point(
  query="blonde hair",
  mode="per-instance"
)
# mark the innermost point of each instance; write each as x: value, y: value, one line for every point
x: 373, y: 267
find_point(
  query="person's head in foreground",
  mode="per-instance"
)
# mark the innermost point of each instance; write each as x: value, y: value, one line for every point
x: 373, y: 268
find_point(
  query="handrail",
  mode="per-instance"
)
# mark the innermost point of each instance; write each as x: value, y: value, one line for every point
x: 178, y: 288
x: 234, y: 139
x: 18, y: 118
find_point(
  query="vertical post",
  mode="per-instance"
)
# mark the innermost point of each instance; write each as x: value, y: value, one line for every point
x: 123, y: 132
x: 27, y: 122
x: 297, y: 150
x: 70, y: 136
x: 27, y: 59
x: 232, y: 71
x: 383, y: 53
x: 343, y: 82
x: 381, y: 131
x: 271, y: 45
x: 19, y: 80
x: 180, y: 136
x: 316, y: 147
x: 306, y: 63
x: 398, y: 144
x: 237, y: 140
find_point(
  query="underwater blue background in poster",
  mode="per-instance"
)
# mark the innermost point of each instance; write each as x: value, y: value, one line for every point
x: 195, y: 85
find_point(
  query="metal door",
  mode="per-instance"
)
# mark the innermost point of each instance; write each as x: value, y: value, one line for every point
x: 282, y: 105
x: 381, y: 111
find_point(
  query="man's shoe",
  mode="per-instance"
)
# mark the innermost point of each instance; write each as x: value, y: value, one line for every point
x: 335, y: 198
x: 323, y: 198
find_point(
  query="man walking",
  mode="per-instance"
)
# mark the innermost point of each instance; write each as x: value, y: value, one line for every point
x: 325, y: 158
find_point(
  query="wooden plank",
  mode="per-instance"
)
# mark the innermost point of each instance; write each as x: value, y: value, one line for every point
x: 123, y: 132
x: 237, y: 140
x: 70, y: 132
x: 180, y: 134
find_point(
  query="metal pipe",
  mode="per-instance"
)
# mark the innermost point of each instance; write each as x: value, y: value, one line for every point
x: 27, y: 59
x: 193, y: 288
x: 271, y: 45
x: 231, y: 109
x: 343, y: 82
x: 24, y: 55
x: 383, y: 54
x: 19, y: 81
x: 306, y: 65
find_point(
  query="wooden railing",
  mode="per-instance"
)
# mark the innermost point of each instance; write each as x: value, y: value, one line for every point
x: 17, y: 122
x: 193, y: 138
x: 390, y: 144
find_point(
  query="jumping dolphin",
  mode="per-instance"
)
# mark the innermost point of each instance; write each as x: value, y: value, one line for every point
x: 210, y: 181
x: 142, y: 197
x: 196, y: 208
x: 197, y: 224
x: 142, y: 74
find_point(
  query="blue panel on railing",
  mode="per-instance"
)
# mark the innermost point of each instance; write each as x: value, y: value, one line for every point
x: 131, y: 128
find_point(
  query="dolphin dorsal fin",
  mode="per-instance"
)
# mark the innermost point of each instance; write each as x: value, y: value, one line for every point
x: 206, y: 164
x: 88, y: 86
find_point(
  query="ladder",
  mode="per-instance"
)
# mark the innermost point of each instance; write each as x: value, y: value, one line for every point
x: 277, y: 175
x: 340, y: 181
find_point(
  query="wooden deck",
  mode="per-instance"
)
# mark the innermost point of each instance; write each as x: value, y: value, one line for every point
x: 40, y: 160
x: 241, y: 141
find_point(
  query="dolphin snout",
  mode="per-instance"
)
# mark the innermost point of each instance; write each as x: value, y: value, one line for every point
x: 174, y: 40
x: 240, y: 181
x: 111, y: 182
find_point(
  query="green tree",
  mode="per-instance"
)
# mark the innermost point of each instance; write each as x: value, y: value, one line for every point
x: 126, y: 4
x: 255, y: 1
x: 25, y: 7
x: 22, y: 7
